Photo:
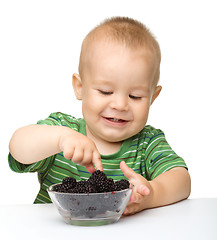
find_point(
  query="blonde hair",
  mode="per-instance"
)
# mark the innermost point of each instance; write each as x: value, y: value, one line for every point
x: 123, y: 30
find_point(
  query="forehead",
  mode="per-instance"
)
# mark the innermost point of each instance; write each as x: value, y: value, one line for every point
x: 104, y: 54
x: 106, y: 35
x: 103, y: 48
x: 110, y: 61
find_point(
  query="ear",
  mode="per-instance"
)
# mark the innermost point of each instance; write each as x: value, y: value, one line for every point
x: 77, y: 85
x: 156, y: 93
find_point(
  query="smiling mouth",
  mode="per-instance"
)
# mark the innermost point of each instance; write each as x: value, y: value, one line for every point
x: 116, y: 120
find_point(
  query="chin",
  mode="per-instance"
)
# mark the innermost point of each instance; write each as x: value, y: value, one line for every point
x: 113, y: 139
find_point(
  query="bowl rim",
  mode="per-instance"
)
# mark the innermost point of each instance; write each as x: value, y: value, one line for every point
x: 49, y: 189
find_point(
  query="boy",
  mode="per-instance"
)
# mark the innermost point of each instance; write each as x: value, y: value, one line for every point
x: 118, y: 77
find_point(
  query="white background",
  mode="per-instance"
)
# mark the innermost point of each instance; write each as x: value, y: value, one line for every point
x: 39, y: 50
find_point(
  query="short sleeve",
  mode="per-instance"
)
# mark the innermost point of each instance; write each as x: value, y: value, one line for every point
x: 159, y: 156
x: 61, y: 119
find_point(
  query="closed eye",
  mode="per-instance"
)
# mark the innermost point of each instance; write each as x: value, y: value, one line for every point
x: 105, y: 92
x: 135, y: 97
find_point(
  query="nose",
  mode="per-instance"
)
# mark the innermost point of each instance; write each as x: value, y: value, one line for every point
x: 119, y: 103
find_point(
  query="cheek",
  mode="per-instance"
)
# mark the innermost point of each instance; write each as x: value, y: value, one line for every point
x: 91, y: 102
x: 141, y: 112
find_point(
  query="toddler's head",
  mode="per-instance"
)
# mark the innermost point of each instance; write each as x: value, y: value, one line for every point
x: 119, y: 70
x: 123, y: 31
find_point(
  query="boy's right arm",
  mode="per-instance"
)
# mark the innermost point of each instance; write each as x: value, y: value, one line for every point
x: 33, y: 143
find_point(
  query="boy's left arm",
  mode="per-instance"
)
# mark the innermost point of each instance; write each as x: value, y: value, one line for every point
x: 167, y: 188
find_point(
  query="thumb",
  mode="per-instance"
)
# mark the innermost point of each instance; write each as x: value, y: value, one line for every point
x: 137, y: 180
x: 128, y: 172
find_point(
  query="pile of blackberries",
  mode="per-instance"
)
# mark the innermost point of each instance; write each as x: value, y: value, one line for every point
x: 97, y: 183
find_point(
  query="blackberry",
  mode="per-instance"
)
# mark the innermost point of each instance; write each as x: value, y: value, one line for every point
x: 80, y: 187
x: 97, y: 176
x: 97, y: 183
x: 106, y: 186
x: 122, y: 184
x: 111, y: 184
x: 98, y: 180
x: 58, y: 188
x: 90, y: 188
x: 69, y: 180
x: 61, y: 188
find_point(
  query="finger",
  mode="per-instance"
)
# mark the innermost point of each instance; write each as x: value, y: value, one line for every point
x: 68, y: 153
x: 129, y: 210
x: 90, y: 168
x: 126, y: 211
x: 88, y: 157
x: 78, y: 156
x: 136, y: 198
x: 97, y: 161
x: 139, y: 192
x: 143, y: 190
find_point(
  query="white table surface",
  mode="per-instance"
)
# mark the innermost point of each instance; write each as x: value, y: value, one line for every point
x: 188, y: 219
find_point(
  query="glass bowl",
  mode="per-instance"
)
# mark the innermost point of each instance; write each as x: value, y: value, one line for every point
x: 90, y: 209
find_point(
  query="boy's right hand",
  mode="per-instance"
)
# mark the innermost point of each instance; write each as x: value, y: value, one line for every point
x: 80, y: 149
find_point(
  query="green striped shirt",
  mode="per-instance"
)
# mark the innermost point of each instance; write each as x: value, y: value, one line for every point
x: 147, y: 153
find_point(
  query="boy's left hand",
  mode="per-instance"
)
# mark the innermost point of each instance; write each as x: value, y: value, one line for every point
x: 142, y: 190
